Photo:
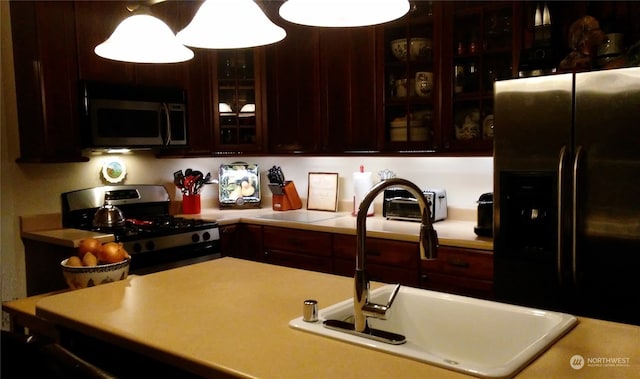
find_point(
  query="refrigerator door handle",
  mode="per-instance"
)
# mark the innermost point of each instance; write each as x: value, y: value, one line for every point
x: 574, y: 215
x: 563, y: 153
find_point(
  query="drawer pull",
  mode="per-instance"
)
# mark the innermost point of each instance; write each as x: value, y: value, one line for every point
x: 458, y: 263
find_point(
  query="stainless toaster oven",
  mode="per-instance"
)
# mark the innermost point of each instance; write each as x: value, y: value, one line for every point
x: 400, y: 204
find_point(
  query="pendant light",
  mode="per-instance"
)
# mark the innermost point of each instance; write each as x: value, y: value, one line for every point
x: 143, y: 38
x: 230, y: 24
x: 343, y: 13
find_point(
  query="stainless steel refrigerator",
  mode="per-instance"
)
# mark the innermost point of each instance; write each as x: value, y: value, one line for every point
x: 567, y: 193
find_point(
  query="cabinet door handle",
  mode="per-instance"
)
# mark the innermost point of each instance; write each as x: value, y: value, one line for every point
x: 458, y: 263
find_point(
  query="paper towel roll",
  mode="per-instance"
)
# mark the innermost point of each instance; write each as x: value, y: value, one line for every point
x: 362, y: 183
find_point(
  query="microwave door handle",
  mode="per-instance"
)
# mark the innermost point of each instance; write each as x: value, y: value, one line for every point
x: 165, y: 109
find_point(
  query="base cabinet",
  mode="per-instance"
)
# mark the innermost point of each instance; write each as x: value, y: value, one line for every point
x: 303, y: 249
x: 460, y: 271
x: 42, y: 266
x: 388, y: 261
x: 242, y: 241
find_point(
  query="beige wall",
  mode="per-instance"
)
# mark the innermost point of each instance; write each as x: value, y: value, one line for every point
x: 29, y: 189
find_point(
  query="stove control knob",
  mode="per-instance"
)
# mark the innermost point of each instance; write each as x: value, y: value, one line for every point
x: 195, y: 237
x: 150, y: 245
x: 206, y: 236
x: 137, y: 247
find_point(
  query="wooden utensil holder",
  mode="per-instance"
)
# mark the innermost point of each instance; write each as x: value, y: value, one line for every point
x: 285, y: 198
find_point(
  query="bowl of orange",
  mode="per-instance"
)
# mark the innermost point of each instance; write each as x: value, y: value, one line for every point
x: 89, y: 276
x: 96, y: 263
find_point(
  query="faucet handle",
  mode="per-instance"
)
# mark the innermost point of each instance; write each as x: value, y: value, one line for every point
x: 378, y: 310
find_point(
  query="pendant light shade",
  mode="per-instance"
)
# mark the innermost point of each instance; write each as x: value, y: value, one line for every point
x: 343, y: 13
x: 229, y: 24
x: 142, y: 38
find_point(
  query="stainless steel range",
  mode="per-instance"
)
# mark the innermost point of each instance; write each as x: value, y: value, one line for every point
x: 155, y: 240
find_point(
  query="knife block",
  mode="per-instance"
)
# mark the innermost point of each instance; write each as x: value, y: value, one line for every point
x: 285, y: 198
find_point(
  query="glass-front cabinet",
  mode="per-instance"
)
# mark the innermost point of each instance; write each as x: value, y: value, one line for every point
x: 238, y: 122
x: 483, y: 48
x: 440, y: 63
x: 411, y: 96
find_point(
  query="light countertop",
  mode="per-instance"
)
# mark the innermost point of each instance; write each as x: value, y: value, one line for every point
x: 230, y: 315
x: 451, y: 232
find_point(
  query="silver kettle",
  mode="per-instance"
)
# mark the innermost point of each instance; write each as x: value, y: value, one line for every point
x: 108, y: 216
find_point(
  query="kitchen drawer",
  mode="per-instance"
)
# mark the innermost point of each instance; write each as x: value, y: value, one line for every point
x: 457, y: 285
x: 379, y: 251
x: 297, y: 241
x: 467, y: 263
x: 378, y: 272
x: 295, y: 260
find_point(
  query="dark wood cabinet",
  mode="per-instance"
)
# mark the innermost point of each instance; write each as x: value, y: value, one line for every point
x: 388, y: 261
x: 460, y: 48
x: 348, y: 112
x: 461, y: 271
x: 95, y: 21
x: 320, y: 91
x: 241, y: 241
x: 303, y: 249
x: 238, y: 92
x: 482, y: 44
x: 321, y: 86
x: 411, y: 84
x: 456, y: 270
x: 292, y: 90
x: 45, y: 63
x: 230, y: 241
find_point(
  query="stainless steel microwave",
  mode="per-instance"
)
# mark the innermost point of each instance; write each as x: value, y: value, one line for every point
x: 118, y: 116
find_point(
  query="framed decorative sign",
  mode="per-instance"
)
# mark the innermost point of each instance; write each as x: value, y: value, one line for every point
x: 323, y: 191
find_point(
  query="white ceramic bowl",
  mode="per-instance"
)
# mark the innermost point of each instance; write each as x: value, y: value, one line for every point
x: 81, y: 277
x: 419, y: 48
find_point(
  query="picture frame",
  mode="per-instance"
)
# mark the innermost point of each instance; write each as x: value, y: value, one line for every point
x: 322, y: 192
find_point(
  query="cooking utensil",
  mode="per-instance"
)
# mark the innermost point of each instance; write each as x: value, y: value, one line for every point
x: 191, y: 181
x: 178, y: 180
x: 108, y: 216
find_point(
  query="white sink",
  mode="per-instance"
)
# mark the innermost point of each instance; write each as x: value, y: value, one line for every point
x: 477, y: 337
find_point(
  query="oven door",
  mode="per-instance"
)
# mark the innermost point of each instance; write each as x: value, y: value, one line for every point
x: 160, y: 260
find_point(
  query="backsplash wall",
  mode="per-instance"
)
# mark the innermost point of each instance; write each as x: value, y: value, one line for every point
x: 464, y: 179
